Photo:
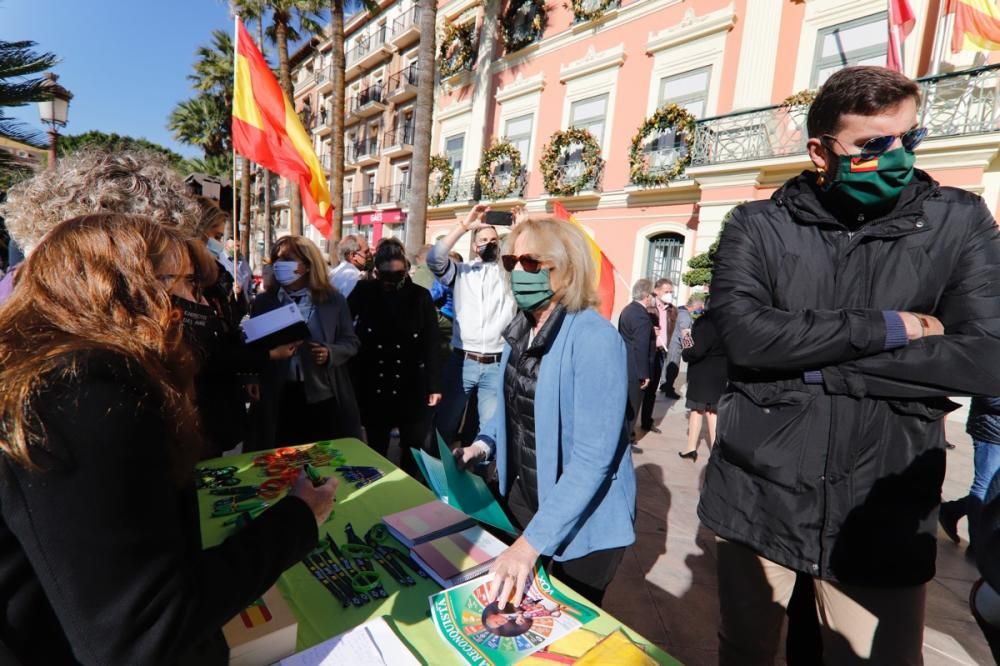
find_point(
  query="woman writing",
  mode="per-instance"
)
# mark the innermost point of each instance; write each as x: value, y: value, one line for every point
x: 306, y: 393
x: 559, y: 436
x: 100, y: 550
x: 397, y: 372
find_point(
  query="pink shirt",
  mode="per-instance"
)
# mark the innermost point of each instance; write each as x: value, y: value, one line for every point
x: 661, y: 336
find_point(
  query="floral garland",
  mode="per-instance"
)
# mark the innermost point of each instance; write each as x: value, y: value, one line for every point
x: 463, y: 35
x: 552, y: 152
x: 665, y: 117
x: 582, y: 14
x: 515, y: 41
x: 801, y: 98
x: 440, y: 164
x: 487, y: 178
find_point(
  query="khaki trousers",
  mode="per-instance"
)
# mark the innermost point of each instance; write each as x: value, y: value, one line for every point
x: 859, y: 625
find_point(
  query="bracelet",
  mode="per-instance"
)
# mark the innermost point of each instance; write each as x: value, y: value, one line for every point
x: 358, y: 551
x: 364, y: 581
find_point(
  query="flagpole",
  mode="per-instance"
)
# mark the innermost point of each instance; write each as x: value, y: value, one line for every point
x: 236, y: 222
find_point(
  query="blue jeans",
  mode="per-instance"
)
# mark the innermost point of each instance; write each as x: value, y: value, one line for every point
x: 461, y: 377
x: 986, y: 463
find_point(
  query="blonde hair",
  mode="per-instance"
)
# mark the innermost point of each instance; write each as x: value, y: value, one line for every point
x: 136, y: 182
x: 211, y: 215
x: 567, y: 248
x: 320, y: 289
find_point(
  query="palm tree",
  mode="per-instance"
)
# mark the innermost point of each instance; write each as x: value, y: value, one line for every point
x: 203, y: 121
x: 18, y: 62
x: 416, y: 227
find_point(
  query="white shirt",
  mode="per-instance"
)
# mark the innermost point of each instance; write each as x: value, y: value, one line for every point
x: 484, y: 304
x: 344, y: 276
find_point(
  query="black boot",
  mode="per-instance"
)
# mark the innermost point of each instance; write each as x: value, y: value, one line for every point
x: 949, y: 515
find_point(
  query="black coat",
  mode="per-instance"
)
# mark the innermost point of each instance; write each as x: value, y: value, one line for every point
x: 635, y: 325
x: 398, y: 366
x: 100, y: 551
x: 708, y: 369
x: 842, y: 479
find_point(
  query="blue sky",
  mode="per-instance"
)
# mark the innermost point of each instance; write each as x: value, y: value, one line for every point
x: 125, y: 61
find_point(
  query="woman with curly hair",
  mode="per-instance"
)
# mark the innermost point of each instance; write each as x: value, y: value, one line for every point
x: 100, y: 551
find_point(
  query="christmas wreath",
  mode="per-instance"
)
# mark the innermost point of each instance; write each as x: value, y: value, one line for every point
x: 440, y: 164
x: 552, y: 153
x: 582, y: 14
x: 457, y: 49
x: 515, y: 40
x: 801, y: 98
x: 666, y: 117
x: 487, y: 177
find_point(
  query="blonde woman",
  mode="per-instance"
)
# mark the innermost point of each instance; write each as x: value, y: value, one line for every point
x: 306, y: 393
x: 559, y: 435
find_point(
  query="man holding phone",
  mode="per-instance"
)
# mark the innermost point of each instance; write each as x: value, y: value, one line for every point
x: 483, y: 308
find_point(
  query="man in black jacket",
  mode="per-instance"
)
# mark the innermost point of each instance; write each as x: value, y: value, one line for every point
x: 830, y: 447
x: 635, y: 325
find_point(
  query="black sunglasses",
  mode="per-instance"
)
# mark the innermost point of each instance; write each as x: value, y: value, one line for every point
x: 528, y: 263
x: 881, y: 144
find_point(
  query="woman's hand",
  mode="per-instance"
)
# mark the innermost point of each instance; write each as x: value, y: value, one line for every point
x: 284, y: 352
x: 468, y: 456
x: 433, y: 399
x: 520, y: 214
x: 319, y: 498
x: 320, y: 354
x: 511, y: 572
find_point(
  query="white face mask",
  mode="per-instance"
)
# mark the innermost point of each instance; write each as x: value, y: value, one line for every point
x: 667, y: 297
x: 284, y: 272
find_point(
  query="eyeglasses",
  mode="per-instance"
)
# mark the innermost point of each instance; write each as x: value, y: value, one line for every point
x: 528, y: 263
x: 881, y: 144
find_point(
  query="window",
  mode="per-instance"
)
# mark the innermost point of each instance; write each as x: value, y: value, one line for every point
x: 589, y: 114
x: 454, y: 147
x: 665, y: 257
x: 518, y: 132
x: 862, y: 41
x: 688, y: 90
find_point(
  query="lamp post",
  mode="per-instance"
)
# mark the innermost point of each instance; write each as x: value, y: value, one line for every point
x: 53, y: 111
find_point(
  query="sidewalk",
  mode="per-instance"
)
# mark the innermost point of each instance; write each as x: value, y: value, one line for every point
x: 666, y: 586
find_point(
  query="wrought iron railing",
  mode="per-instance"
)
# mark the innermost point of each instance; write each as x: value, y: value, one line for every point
x: 365, y: 45
x: 402, y: 77
x: 397, y: 194
x: 365, y: 198
x: 365, y: 147
x: 322, y: 75
x: 463, y: 188
x: 405, y: 21
x: 961, y: 102
x: 502, y: 176
x: 572, y: 170
x: 398, y: 136
x: 370, y: 95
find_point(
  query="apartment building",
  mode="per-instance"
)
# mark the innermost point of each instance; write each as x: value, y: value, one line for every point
x: 741, y: 68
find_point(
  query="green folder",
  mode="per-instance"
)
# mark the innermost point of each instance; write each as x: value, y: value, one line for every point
x: 460, y: 489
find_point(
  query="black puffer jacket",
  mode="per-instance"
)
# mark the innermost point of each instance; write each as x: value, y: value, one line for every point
x: 842, y: 479
x: 984, y: 420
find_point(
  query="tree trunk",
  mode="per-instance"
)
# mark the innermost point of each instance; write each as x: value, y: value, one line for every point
x: 416, y: 221
x: 337, y: 116
x: 245, y: 208
x: 285, y: 78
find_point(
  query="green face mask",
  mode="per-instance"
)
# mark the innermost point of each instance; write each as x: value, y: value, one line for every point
x: 531, y: 290
x: 874, y: 183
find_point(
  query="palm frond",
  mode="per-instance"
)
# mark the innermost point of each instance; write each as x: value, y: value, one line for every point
x: 18, y: 59
x: 16, y: 130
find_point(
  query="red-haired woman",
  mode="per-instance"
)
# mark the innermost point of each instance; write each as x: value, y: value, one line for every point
x: 100, y: 553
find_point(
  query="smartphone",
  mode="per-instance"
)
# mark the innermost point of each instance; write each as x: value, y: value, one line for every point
x: 498, y: 218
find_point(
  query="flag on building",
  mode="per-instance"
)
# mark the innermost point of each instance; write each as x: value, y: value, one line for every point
x: 977, y: 25
x: 901, y: 22
x: 267, y: 130
x: 605, y: 270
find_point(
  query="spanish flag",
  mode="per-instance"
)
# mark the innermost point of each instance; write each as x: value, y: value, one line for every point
x: 267, y: 130
x: 977, y: 25
x: 605, y: 270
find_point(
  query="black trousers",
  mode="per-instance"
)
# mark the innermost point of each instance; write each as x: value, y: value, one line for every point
x: 302, y: 423
x: 589, y: 575
x: 413, y: 435
x: 649, y: 397
x: 670, y: 376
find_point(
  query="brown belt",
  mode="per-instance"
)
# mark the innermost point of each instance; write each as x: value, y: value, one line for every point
x: 480, y: 358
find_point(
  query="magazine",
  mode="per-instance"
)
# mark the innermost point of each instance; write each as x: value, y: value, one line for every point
x: 486, y: 635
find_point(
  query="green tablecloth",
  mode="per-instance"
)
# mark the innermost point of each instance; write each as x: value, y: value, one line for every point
x: 320, y: 615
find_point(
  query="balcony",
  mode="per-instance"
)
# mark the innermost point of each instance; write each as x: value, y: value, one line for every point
x: 324, y: 79
x: 323, y: 124
x: 398, y: 142
x: 369, y: 102
x: 397, y: 195
x: 324, y: 161
x: 406, y: 28
x: 502, y: 177
x: 955, y: 104
x: 366, y: 198
x: 464, y: 189
x: 368, y: 51
x: 402, y: 85
x: 572, y: 170
x: 362, y: 153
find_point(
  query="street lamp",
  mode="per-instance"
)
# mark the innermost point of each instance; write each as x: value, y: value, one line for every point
x: 53, y: 111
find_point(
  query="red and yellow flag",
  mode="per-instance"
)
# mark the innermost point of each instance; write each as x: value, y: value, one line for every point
x: 605, y: 270
x: 977, y: 25
x: 267, y: 130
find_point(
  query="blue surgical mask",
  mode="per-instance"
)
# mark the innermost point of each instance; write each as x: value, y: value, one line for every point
x: 284, y: 272
x: 215, y: 247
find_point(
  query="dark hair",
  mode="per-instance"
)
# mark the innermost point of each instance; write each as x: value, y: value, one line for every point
x: 863, y: 91
x: 662, y: 282
x: 390, y: 249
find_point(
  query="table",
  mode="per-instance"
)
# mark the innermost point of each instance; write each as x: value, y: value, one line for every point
x: 319, y: 614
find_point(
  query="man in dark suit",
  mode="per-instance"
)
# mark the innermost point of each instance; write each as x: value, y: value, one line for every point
x: 636, y: 327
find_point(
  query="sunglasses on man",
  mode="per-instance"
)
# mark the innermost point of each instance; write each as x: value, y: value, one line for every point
x: 876, y: 147
x: 528, y: 262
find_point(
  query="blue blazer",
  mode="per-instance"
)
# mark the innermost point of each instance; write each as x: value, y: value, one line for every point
x: 586, y: 483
